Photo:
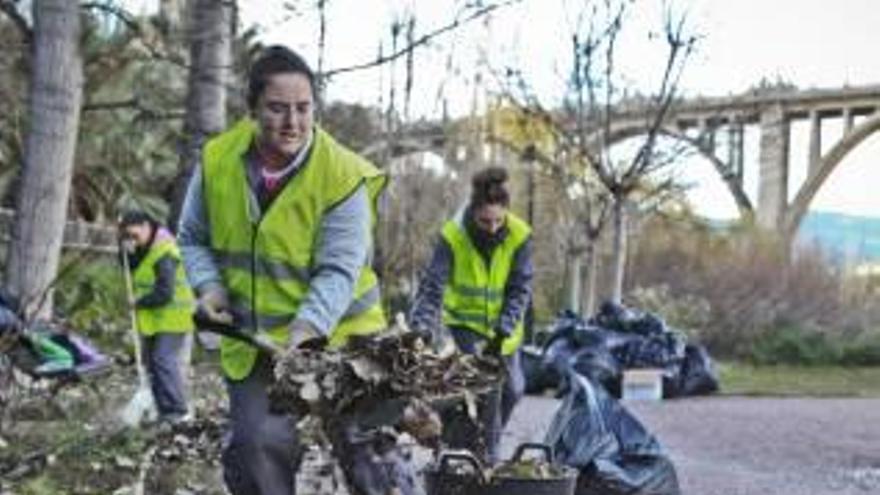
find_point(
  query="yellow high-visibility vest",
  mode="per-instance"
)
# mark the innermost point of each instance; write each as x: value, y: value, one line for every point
x: 266, y: 258
x: 474, y: 295
x: 176, y: 316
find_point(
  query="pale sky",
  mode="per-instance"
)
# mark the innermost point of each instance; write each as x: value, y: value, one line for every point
x: 810, y: 43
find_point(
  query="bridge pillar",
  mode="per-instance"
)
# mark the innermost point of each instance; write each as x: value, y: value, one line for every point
x: 735, y: 150
x: 773, y: 179
x: 707, y: 136
x: 815, y: 142
x: 848, y: 120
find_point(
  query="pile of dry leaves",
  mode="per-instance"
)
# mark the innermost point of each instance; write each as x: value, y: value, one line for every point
x: 392, y: 379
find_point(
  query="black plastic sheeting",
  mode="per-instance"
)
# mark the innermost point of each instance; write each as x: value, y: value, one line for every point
x: 612, y: 451
x: 615, y: 339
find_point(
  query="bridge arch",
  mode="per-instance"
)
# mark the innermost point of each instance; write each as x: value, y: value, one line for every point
x: 741, y: 199
x: 400, y: 147
x: 829, y: 162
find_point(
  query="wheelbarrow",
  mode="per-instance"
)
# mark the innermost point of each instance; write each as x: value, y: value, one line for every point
x: 461, y: 431
x: 461, y: 473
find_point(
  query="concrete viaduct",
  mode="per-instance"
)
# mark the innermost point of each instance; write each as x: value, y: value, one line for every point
x: 699, y: 121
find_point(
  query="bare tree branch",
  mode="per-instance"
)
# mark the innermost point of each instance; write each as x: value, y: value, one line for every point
x: 111, y: 105
x: 606, y: 170
x: 410, y: 59
x: 116, y: 11
x: 10, y: 8
x: 395, y: 54
x: 675, y: 63
x: 322, y: 43
x: 142, y: 112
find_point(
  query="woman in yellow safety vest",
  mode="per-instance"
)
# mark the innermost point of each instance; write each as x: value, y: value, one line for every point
x: 164, y: 306
x: 276, y: 233
x: 478, y: 285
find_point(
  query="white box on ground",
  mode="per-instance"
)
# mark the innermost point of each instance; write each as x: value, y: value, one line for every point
x: 642, y: 384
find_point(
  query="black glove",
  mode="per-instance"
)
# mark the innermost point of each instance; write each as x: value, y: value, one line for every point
x: 304, y: 336
x: 423, y: 333
x: 494, y: 347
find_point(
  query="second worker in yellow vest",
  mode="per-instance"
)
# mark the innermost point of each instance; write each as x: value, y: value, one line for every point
x: 164, y: 305
x: 478, y: 285
x: 276, y: 232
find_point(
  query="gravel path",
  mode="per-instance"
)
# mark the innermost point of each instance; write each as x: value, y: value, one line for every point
x: 741, y: 445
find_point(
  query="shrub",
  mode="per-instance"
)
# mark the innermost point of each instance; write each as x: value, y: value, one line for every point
x: 749, y: 300
x: 863, y: 351
x: 91, y: 298
x: 688, y: 313
x: 793, y: 345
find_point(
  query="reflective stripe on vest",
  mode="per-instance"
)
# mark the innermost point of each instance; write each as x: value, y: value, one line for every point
x: 263, y: 267
x: 266, y: 258
x: 176, y: 315
x: 474, y: 295
x: 246, y: 318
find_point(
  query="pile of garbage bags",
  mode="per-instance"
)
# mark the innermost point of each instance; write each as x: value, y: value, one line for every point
x: 615, y: 339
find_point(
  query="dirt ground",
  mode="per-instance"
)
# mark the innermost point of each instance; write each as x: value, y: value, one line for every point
x: 720, y: 445
x: 739, y: 445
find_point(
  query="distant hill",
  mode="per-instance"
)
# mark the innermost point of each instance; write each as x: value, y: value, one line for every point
x: 850, y: 237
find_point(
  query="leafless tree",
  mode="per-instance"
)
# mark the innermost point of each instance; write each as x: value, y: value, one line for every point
x: 585, y: 125
x: 55, y: 100
x: 209, y: 34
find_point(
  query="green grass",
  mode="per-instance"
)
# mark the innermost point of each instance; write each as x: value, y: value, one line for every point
x: 810, y: 381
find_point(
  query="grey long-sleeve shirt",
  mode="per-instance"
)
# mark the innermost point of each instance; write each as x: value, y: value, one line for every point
x: 344, y: 245
x: 428, y: 306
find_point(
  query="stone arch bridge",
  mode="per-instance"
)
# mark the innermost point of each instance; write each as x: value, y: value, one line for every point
x: 698, y: 122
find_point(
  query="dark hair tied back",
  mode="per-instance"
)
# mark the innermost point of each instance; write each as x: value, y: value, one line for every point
x: 489, y: 187
x: 273, y: 60
x: 136, y: 217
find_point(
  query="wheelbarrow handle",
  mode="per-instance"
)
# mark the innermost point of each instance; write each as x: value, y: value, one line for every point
x: 204, y: 324
x: 529, y: 446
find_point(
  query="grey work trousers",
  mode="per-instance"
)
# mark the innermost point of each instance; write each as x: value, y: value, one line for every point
x: 511, y: 392
x: 261, y: 452
x: 162, y: 356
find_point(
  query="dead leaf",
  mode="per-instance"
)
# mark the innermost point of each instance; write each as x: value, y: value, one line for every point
x: 367, y: 370
x: 124, y: 462
x: 310, y: 392
x: 470, y: 403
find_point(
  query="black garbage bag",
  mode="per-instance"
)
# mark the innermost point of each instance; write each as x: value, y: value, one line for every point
x: 626, y: 339
x: 475, y: 434
x: 698, y: 375
x: 614, y: 316
x: 555, y: 360
x: 373, y: 463
x: 567, y: 318
x: 539, y: 377
x: 648, y: 324
x: 613, y: 451
x: 571, y: 327
x: 649, y: 474
x: 599, y: 365
x: 570, y: 334
x: 666, y: 350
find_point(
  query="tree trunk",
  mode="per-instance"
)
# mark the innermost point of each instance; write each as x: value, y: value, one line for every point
x: 619, y: 247
x: 574, y: 282
x: 55, y: 98
x: 210, y: 39
x: 589, y: 307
